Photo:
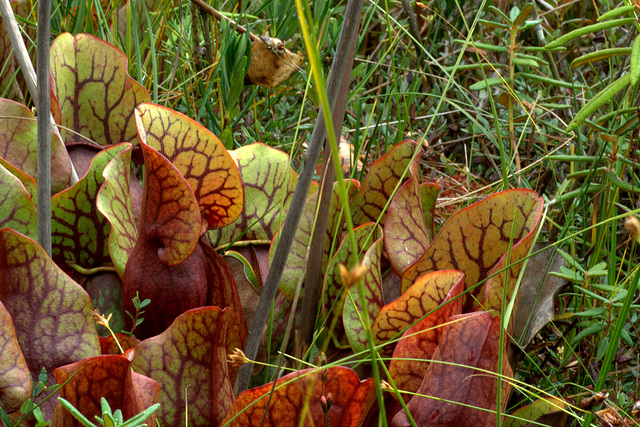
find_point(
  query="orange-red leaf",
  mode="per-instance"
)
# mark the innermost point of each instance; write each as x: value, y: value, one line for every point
x: 351, y: 400
x: 107, y: 376
x: 462, y: 391
x: 199, y: 156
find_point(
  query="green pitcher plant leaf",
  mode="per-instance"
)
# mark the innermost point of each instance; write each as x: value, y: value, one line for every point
x: 349, y: 399
x: 462, y: 391
x: 105, y: 376
x: 166, y: 264
x: 189, y: 361
x: 96, y: 95
x: 424, y: 296
x: 371, y: 249
x: 79, y: 232
x: 199, y: 156
x: 295, y: 267
x: 26, y: 180
x: 51, y: 313
x: 15, y: 384
x: 532, y: 412
x: 384, y: 175
x: 17, y: 211
x: 268, y: 183
x: 406, y: 235
x: 435, y: 294
x: 19, y: 143
x: 475, y: 239
x: 105, y: 290
x: 114, y: 202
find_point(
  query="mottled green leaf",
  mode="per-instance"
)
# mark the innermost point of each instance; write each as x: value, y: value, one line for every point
x: 19, y: 145
x: 534, y: 411
x: 268, y: 183
x: 15, y: 384
x: 52, y: 314
x: 114, y: 202
x: 199, y: 156
x: 189, y: 361
x: 79, y: 231
x: 96, y: 95
x: 295, y: 266
x: 17, y: 211
x: 371, y: 249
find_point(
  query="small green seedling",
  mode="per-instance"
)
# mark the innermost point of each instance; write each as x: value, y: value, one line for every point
x: 109, y: 418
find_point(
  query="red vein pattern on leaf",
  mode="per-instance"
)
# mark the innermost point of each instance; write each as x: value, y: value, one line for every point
x: 426, y: 294
x: 268, y: 182
x: 17, y: 211
x: 470, y: 346
x: 199, y: 156
x: 477, y: 237
x: 405, y: 232
x: 14, y: 372
x: 352, y: 400
x: 115, y: 203
x: 189, y: 362
x: 78, y: 229
x: 382, y: 179
x: 107, y: 376
x: 421, y: 340
x: 96, y: 95
x: 50, y: 311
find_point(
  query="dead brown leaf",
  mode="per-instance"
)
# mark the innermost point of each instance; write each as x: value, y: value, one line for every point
x: 271, y: 62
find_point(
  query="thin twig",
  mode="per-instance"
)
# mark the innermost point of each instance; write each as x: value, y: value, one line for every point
x: 210, y: 10
x: 26, y: 67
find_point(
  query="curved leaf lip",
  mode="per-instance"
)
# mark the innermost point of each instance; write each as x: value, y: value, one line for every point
x: 218, y: 213
x: 169, y: 216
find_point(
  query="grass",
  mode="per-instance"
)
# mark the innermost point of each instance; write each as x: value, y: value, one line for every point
x: 478, y: 138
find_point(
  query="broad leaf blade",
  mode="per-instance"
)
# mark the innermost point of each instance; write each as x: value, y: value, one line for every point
x: 189, y: 361
x: 15, y: 383
x: 199, y: 156
x: 17, y: 211
x: 96, y: 95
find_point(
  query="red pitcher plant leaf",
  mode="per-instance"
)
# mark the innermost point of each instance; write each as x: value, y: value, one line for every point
x: 166, y: 264
x: 78, y: 230
x: 435, y: 294
x: 295, y: 267
x: 199, y: 156
x: 268, y: 183
x: 97, y: 96
x: 369, y: 240
x: 463, y: 390
x: 51, y: 313
x: 17, y: 211
x: 477, y: 238
x: 28, y: 182
x: 406, y: 235
x: 338, y: 388
x: 19, y: 143
x: 15, y: 384
x: 114, y: 202
x: 189, y: 361
x: 383, y: 178
x: 107, y: 376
